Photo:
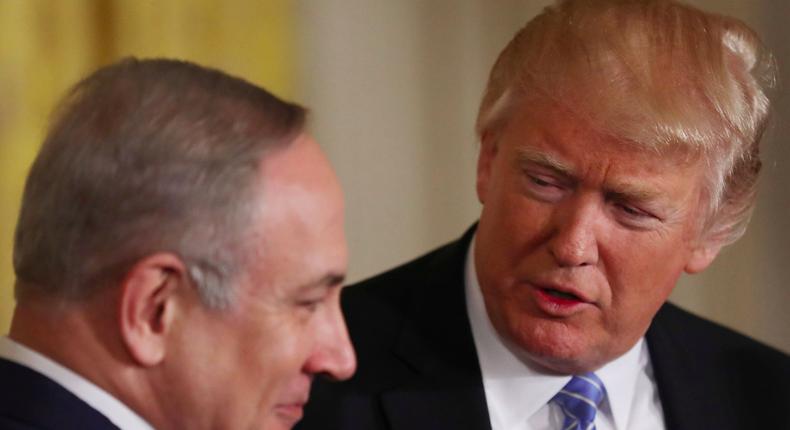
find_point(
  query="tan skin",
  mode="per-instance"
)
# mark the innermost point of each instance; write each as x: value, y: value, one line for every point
x: 152, y: 344
x: 258, y: 362
x: 581, y: 238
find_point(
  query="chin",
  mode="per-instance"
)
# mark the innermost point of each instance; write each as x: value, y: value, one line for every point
x: 561, y: 365
x: 556, y: 348
x: 277, y: 425
x: 281, y: 421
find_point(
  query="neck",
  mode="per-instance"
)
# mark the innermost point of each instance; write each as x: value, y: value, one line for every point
x: 84, y: 337
x: 79, y: 335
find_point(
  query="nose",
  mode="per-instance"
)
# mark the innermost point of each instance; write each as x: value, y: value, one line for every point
x: 333, y: 355
x: 573, y: 242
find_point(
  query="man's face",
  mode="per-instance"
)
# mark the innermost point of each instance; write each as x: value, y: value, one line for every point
x: 253, y: 364
x: 581, y: 238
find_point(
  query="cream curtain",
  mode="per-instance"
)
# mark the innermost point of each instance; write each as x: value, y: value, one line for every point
x: 47, y: 45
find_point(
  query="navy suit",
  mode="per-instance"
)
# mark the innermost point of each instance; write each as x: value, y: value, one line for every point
x: 30, y: 400
x: 418, y: 367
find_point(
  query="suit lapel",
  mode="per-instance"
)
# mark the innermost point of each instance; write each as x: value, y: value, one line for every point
x: 433, y: 408
x: 436, y: 341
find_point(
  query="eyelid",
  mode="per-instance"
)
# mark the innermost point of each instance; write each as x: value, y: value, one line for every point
x: 633, y: 210
x: 540, y: 170
x: 642, y: 220
x: 311, y: 304
x: 544, y: 181
x: 551, y: 178
x: 315, y: 294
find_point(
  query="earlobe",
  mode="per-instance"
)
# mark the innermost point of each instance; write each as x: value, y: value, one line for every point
x: 488, y: 150
x: 702, y: 257
x: 148, y: 306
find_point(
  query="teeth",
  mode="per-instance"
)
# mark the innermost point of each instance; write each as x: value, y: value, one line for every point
x: 561, y: 294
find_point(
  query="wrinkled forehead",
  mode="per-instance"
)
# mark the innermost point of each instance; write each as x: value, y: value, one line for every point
x: 551, y: 121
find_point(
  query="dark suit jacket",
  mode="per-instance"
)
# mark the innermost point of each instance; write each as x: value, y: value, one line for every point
x: 30, y: 400
x: 418, y: 367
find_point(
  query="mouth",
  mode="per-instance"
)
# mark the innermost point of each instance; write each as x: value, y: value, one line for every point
x: 563, y: 295
x: 560, y: 302
x: 291, y: 412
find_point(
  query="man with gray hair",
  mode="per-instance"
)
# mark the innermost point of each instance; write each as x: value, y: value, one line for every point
x: 619, y: 147
x: 179, y: 256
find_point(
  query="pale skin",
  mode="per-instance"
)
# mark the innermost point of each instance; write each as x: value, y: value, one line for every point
x: 152, y: 344
x: 582, y: 237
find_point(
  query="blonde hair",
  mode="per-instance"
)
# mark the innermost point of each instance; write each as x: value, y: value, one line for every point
x: 655, y: 73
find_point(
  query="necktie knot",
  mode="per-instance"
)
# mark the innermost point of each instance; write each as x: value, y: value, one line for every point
x: 579, y: 400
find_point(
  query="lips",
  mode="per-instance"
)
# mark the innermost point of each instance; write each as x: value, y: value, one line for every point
x: 557, y: 300
x: 291, y: 412
x: 563, y: 292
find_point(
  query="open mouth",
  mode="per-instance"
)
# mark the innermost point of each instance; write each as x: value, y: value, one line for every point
x: 561, y: 294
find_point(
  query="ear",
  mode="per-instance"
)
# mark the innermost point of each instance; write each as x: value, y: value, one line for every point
x: 488, y: 150
x: 149, y: 294
x: 702, y: 256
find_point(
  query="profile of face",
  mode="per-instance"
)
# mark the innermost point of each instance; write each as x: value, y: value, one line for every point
x: 582, y: 237
x: 251, y: 366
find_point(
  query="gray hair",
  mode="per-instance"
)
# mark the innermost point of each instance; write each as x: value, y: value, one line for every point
x: 658, y: 74
x: 146, y: 156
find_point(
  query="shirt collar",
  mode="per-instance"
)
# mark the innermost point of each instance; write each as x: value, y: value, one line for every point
x: 118, y: 413
x: 516, y: 390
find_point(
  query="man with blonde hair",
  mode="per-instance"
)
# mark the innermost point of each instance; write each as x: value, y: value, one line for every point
x: 179, y: 256
x: 619, y: 145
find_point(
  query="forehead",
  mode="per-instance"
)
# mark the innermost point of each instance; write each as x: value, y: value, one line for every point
x: 297, y: 232
x: 547, y: 133
x: 546, y: 139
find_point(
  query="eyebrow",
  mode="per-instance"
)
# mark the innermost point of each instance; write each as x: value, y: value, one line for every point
x: 529, y: 156
x: 332, y: 279
x: 621, y: 190
x: 633, y: 193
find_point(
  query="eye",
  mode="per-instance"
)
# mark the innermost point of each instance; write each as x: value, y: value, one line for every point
x: 635, y: 217
x: 311, y: 304
x: 543, y: 187
x: 632, y: 211
x: 540, y: 181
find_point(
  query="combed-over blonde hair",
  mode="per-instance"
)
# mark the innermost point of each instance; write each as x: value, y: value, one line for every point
x: 656, y: 73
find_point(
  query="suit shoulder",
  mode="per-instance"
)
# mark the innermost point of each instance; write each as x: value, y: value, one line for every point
x: 706, y: 371
x: 393, y: 286
x: 376, y: 308
x: 8, y: 423
x: 712, y: 341
x: 32, y: 400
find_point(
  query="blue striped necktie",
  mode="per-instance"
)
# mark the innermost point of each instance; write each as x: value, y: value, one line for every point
x: 579, y: 400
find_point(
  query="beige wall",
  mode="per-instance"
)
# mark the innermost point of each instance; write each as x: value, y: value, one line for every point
x: 394, y: 86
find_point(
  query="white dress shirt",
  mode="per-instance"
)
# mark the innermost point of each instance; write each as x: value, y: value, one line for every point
x: 118, y: 413
x: 518, y: 395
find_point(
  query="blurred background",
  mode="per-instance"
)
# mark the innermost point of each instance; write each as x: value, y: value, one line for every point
x: 393, y: 87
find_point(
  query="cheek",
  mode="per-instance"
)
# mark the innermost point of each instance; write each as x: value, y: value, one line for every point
x: 509, y: 242
x: 647, y: 259
x: 516, y: 218
x: 286, y: 345
x: 641, y: 277
x: 273, y: 366
x: 262, y: 353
